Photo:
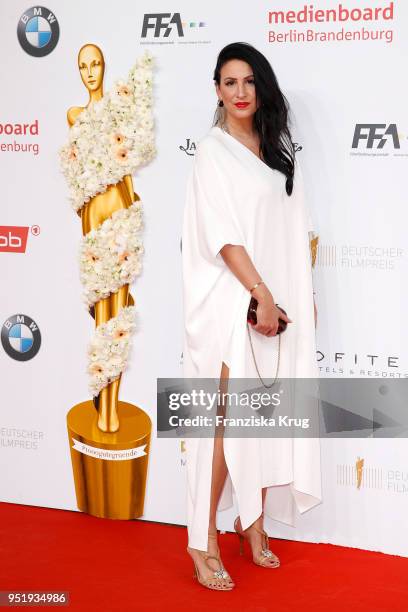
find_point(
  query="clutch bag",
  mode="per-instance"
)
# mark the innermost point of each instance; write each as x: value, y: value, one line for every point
x: 251, y: 315
x: 251, y: 318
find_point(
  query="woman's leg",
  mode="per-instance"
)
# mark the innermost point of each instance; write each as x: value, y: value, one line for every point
x: 219, y: 466
x: 255, y: 538
x: 218, y: 476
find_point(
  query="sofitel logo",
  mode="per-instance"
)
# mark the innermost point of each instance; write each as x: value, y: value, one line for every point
x: 360, y: 365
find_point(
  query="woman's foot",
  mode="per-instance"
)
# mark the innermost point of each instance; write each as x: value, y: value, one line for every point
x: 258, y: 541
x: 210, y: 570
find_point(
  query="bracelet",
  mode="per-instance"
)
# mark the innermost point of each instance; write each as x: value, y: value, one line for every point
x: 256, y: 285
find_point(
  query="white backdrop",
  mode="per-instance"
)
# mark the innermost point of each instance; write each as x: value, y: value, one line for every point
x: 357, y: 197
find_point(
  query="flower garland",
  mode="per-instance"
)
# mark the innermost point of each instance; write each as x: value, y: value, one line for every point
x: 109, y: 140
x: 109, y: 349
x: 112, y: 137
x: 110, y: 256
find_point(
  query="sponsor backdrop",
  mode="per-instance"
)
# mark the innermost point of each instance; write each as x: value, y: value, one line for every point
x: 342, y: 68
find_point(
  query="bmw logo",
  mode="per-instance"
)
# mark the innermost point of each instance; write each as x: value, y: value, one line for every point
x: 20, y: 337
x: 38, y: 31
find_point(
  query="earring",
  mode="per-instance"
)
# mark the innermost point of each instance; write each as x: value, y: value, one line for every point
x: 220, y: 102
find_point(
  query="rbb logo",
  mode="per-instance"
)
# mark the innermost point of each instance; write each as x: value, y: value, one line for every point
x: 375, y: 132
x: 162, y: 21
x: 13, y: 239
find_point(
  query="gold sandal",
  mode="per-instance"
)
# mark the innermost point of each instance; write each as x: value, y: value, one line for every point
x: 265, y: 554
x: 217, y: 582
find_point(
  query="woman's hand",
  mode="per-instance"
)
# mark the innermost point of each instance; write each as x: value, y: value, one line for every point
x: 267, y: 313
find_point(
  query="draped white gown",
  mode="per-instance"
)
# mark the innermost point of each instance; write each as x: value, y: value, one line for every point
x: 235, y: 198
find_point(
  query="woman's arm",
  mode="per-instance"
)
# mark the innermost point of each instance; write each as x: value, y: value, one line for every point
x: 240, y: 264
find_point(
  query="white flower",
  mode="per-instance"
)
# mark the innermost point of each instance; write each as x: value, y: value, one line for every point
x: 110, y: 256
x: 109, y: 349
x: 95, y: 155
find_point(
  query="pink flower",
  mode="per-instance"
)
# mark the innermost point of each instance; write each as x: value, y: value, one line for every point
x: 123, y: 91
x: 91, y: 256
x: 118, y: 138
x: 123, y: 256
x: 96, y: 368
x: 120, y: 333
x: 122, y: 154
x: 73, y: 153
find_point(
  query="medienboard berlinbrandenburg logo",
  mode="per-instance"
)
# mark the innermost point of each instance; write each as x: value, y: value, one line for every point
x: 20, y: 337
x: 38, y: 31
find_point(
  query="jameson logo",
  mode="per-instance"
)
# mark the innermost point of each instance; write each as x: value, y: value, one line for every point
x: 310, y: 14
x: 189, y: 148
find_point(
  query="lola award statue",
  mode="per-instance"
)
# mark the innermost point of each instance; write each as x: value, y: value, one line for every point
x: 108, y: 140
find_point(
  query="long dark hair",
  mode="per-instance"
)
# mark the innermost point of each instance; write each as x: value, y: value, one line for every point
x: 271, y: 117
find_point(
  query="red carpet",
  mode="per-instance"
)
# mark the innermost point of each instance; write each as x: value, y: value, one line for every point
x: 109, y: 565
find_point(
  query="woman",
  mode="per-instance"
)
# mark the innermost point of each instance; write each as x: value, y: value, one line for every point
x: 245, y: 234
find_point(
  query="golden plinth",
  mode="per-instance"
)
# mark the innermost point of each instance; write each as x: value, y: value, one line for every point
x: 110, y: 469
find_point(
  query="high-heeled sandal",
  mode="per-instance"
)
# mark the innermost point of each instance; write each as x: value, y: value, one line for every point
x: 216, y: 582
x: 265, y: 554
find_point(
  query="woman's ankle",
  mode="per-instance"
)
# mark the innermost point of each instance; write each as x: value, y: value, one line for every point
x: 212, y: 528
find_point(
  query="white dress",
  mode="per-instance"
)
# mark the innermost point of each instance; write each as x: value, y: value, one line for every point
x: 233, y: 197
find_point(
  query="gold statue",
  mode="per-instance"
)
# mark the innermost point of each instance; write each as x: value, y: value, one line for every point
x: 359, y: 471
x: 109, y: 446
x: 91, y: 66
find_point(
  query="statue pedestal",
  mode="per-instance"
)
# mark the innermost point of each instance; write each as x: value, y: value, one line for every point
x: 110, y: 469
